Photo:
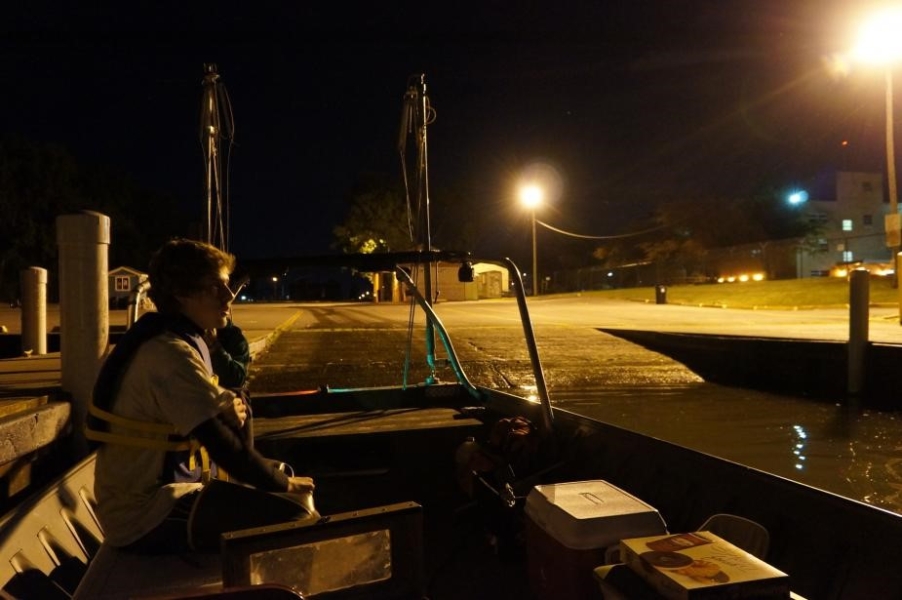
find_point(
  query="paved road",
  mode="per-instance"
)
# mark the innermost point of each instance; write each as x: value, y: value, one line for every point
x: 592, y: 373
x: 367, y: 345
x: 816, y: 324
x: 565, y: 325
x: 596, y: 374
x: 826, y: 323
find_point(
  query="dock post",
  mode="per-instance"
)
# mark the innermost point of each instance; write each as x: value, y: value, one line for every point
x: 33, y: 281
x: 859, y: 292
x: 83, y: 240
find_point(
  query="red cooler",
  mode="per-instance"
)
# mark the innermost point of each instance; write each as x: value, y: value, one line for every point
x: 569, y: 528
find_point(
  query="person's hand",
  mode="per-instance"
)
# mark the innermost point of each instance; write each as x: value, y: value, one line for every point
x: 211, y: 338
x: 303, y: 487
x: 300, y: 485
x: 235, y: 412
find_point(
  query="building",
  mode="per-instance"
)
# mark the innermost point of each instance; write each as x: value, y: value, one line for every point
x: 489, y: 281
x: 122, y: 282
x: 848, y: 211
x: 851, y: 225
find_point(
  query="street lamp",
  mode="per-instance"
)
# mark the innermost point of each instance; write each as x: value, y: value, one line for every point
x: 798, y: 197
x: 879, y: 43
x: 531, y: 197
x: 275, y: 284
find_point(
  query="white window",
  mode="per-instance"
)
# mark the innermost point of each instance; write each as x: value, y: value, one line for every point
x: 847, y: 224
x: 847, y: 256
x: 123, y: 283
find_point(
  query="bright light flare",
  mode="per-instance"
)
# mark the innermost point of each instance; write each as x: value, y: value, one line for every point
x: 531, y: 196
x: 742, y: 278
x: 796, y: 198
x: 879, y: 41
x: 532, y: 393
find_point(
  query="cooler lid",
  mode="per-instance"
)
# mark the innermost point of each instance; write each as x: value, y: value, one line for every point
x: 590, y: 514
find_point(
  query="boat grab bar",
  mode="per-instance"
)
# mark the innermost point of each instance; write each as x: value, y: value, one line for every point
x: 404, y: 277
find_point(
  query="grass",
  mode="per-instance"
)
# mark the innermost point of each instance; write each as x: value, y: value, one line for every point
x: 791, y: 293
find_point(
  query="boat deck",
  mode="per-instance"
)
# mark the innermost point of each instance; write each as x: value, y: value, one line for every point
x: 363, y: 422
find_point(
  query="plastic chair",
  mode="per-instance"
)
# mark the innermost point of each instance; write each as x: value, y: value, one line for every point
x: 739, y: 531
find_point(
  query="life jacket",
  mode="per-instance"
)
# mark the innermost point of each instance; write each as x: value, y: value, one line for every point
x: 186, y: 459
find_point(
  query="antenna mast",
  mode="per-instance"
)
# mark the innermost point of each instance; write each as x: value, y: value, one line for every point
x: 216, y: 125
x: 416, y: 115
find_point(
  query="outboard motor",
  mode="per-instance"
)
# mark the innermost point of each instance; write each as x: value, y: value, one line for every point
x: 495, y: 475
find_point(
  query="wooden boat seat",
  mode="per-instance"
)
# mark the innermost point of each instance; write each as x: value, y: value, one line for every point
x: 116, y: 574
x: 353, y: 424
x: 172, y: 577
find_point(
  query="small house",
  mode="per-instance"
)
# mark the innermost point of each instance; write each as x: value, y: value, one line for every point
x: 122, y: 283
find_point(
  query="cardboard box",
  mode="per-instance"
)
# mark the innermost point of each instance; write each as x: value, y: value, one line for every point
x: 569, y: 528
x: 701, y: 565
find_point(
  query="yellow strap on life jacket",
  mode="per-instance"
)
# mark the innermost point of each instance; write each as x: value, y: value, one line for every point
x: 206, y: 470
x: 163, y: 436
x: 142, y: 434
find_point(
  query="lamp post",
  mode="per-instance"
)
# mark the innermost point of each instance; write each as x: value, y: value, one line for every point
x: 531, y: 198
x: 879, y: 43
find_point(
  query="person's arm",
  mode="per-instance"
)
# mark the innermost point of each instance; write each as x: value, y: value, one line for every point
x: 230, y: 354
x: 247, y: 465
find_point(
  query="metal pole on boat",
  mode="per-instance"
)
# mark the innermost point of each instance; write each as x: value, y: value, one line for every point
x: 426, y: 232
x: 530, y: 336
x: 416, y: 115
x: 83, y: 241
x: 215, y: 125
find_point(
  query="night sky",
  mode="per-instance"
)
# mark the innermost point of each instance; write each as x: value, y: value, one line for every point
x: 631, y: 102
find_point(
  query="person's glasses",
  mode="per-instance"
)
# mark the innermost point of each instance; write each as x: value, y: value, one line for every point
x: 220, y: 288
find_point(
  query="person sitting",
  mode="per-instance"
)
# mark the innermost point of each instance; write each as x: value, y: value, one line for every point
x: 230, y: 354
x: 156, y: 400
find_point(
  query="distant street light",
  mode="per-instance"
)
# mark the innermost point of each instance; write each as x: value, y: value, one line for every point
x: 275, y: 284
x: 880, y: 43
x: 798, y: 197
x: 531, y: 197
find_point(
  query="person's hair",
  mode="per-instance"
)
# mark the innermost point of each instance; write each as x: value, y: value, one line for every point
x: 179, y: 267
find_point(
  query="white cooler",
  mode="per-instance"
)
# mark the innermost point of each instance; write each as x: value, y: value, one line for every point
x: 569, y: 528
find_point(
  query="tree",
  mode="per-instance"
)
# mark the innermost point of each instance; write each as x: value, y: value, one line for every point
x: 377, y: 219
x: 679, y: 233
x: 39, y: 182
x: 36, y: 184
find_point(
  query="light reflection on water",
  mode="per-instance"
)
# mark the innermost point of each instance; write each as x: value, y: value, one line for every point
x: 854, y: 453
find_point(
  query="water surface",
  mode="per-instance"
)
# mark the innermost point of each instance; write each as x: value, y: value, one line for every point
x: 854, y: 453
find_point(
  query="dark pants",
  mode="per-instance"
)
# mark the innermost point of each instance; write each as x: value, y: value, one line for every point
x: 199, y: 519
